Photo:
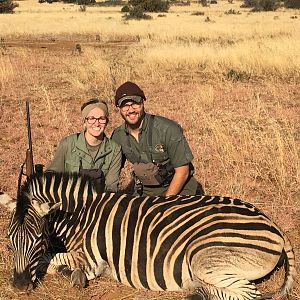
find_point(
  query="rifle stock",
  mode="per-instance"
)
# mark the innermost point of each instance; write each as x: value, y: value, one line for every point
x: 29, y: 163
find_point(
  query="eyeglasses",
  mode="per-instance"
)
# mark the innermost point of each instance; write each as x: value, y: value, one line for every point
x: 126, y: 106
x: 92, y: 120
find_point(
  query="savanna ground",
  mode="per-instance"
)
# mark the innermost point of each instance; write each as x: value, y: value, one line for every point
x: 232, y: 83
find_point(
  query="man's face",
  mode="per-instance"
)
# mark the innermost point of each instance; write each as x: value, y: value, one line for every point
x: 132, y: 112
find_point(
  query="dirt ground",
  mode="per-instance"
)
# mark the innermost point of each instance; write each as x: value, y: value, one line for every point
x: 50, y: 124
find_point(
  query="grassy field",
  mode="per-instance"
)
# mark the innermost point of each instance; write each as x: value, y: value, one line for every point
x: 232, y: 83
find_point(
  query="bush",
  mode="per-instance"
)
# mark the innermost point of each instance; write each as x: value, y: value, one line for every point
x: 138, y: 13
x: 110, y: 3
x: 180, y: 2
x: 7, y: 6
x: 198, y: 13
x: 232, y: 12
x: 151, y: 5
x: 125, y: 9
x: 249, y: 3
x: 79, y: 2
x: 156, y: 6
x: 292, y: 3
x: 262, y: 5
x: 235, y: 75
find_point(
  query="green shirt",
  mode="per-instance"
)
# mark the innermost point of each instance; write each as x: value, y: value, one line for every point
x: 73, y: 153
x: 168, y: 145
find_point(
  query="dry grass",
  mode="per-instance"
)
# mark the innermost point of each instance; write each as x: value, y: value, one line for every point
x: 244, y: 131
x: 211, y: 48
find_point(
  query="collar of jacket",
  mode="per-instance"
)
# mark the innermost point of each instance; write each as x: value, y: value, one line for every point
x: 82, y: 151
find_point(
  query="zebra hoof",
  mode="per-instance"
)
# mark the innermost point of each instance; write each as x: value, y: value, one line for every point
x: 196, y: 297
x: 78, y: 278
x: 199, y: 294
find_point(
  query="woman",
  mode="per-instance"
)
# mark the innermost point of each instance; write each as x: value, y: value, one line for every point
x: 90, y: 152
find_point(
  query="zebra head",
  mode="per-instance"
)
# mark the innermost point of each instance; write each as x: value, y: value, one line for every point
x: 29, y: 235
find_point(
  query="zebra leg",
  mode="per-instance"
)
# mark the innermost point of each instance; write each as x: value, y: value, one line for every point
x: 77, y: 276
x: 68, y: 264
x: 199, y: 294
x: 224, y: 287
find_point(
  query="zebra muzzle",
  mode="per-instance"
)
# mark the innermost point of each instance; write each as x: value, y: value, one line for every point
x: 22, y: 281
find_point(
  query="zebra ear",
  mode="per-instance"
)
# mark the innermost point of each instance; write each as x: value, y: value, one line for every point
x: 7, y: 201
x: 44, y: 208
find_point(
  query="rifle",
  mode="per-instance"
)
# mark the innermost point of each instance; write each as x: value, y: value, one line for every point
x: 29, y: 156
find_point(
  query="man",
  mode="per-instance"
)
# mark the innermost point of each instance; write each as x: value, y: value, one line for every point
x: 155, y: 145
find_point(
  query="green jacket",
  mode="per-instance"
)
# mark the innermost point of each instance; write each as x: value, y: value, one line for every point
x: 72, y: 153
x: 168, y: 145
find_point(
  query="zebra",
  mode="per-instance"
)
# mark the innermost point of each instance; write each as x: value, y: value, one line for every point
x: 209, y: 247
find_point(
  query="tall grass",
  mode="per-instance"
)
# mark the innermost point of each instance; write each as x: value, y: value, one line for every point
x: 274, y: 57
x: 255, y: 45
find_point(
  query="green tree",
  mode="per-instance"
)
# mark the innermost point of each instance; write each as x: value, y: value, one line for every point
x: 150, y: 5
x: 262, y: 5
x: 7, y: 6
x: 292, y: 3
x: 80, y: 2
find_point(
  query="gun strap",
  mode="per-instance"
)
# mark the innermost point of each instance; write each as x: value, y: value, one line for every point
x: 150, y: 136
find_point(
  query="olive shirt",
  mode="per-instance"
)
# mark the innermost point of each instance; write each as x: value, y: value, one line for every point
x: 168, y: 144
x: 73, y: 153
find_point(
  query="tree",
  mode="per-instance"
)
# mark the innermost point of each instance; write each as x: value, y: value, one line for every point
x: 292, y: 3
x: 7, y: 6
x: 151, y: 5
x: 262, y: 5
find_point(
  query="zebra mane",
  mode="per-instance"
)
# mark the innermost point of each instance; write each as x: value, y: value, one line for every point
x: 23, y: 202
x: 36, y: 180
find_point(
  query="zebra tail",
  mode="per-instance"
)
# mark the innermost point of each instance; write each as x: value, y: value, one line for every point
x: 290, y: 272
x: 290, y: 268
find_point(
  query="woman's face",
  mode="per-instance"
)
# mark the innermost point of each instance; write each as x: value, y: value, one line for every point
x: 95, y: 122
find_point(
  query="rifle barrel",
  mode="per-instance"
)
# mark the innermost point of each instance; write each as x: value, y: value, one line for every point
x: 29, y: 156
x: 28, y: 126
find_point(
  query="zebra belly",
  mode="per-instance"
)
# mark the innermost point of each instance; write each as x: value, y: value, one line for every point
x: 249, y: 264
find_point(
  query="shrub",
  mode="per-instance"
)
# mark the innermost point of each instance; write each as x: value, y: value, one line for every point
x: 156, y: 6
x: 151, y: 5
x: 125, y: 9
x: 109, y: 3
x: 292, y: 3
x: 79, y: 2
x: 82, y: 8
x: 262, y: 5
x: 249, y: 3
x: 7, y: 6
x: 138, y: 13
x: 198, y: 13
x: 232, y: 12
x: 181, y: 3
x: 85, y: 2
x: 236, y: 75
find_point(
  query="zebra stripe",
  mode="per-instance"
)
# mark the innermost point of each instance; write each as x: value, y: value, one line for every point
x: 213, y: 245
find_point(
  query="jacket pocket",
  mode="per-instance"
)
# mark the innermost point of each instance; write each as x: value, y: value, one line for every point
x: 71, y: 166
